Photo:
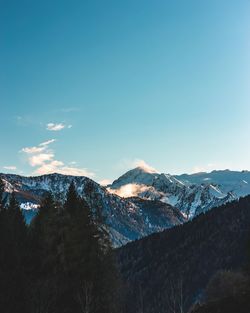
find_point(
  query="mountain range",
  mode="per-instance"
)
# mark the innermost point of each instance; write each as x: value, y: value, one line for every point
x: 138, y: 203
x: 127, y: 219
x: 191, y: 194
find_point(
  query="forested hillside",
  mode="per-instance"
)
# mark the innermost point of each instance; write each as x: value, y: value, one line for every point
x: 61, y: 263
x: 172, y: 268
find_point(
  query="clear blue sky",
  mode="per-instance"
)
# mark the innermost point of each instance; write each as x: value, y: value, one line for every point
x: 162, y: 81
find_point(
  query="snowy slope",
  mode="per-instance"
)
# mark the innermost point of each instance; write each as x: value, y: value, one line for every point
x: 140, y: 202
x: 227, y: 181
x: 127, y: 218
x: 192, y: 194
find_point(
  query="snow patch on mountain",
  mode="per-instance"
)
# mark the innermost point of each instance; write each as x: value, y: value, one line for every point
x: 192, y: 194
x: 125, y: 217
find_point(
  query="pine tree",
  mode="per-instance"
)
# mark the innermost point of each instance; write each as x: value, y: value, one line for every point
x: 89, y: 259
x: 45, y: 246
x: 70, y: 267
x: 71, y: 205
x: 78, y: 235
x: 13, y: 280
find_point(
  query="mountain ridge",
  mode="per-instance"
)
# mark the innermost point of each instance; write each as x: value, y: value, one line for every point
x: 125, y: 219
x: 141, y: 201
x: 189, y: 254
x: 191, y: 193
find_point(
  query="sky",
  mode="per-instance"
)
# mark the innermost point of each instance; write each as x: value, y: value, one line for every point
x: 98, y: 87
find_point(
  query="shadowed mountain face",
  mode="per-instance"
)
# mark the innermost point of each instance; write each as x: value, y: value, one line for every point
x: 192, y: 194
x: 128, y: 219
x: 141, y: 201
x: 184, y: 257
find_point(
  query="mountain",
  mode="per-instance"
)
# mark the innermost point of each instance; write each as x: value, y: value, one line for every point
x: 180, y: 261
x: 128, y: 219
x: 237, y: 182
x: 141, y: 201
x: 192, y: 194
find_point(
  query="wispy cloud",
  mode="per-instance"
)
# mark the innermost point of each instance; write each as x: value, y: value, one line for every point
x: 10, y: 168
x: 46, y: 143
x: 32, y: 150
x: 38, y: 149
x: 56, y: 166
x: 127, y: 164
x: 129, y: 190
x: 55, y: 127
x: 43, y: 159
x: 141, y: 163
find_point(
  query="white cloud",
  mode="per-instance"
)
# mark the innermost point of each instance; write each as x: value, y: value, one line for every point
x: 40, y: 159
x: 10, y: 168
x: 75, y: 171
x: 129, y: 190
x: 55, y: 127
x: 59, y: 167
x: 38, y: 149
x: 48, y: 142
x: 48, y: 168
x: 128, y: 164
x: 144, y: 165
x: 33, y: 150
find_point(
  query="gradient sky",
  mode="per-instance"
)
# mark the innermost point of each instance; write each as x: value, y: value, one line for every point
x: 119, y: 82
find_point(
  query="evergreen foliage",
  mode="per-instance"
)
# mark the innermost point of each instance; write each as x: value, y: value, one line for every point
x: 13, y: 253
x: 62, y: 263
x: 191, y: 253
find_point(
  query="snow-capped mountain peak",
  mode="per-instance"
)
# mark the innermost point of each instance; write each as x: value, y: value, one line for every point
x: 141, y: 201
x: 127, y: 219
x: 192, y: 194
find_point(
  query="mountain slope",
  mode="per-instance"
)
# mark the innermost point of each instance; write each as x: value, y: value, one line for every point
x: 188, y: 254
x: 192, y: 194
x: 127, y: 219
x: 235, y: 182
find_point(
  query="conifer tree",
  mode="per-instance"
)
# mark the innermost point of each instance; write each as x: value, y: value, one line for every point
x: 79, y: 237
x: 89, y: 257
x: 64, y: 263
x: 13, y: 262
x: 71, y: 205
x: 45, y: 244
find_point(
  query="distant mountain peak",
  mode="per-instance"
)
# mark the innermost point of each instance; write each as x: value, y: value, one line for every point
x: 127, y: 219
x: 192, y: 194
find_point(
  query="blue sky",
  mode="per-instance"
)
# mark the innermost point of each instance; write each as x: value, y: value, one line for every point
x: 122, y: 83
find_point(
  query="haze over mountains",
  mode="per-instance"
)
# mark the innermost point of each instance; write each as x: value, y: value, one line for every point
x: 141, y: 201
